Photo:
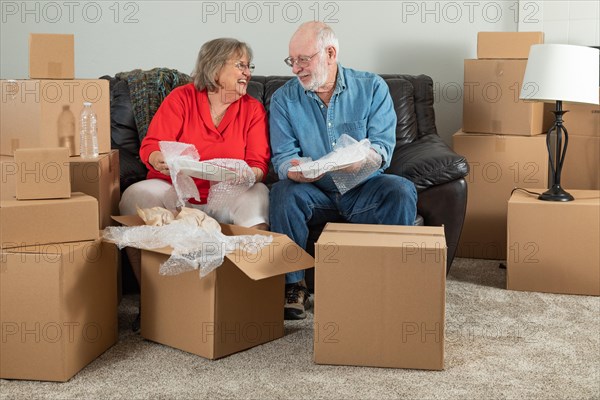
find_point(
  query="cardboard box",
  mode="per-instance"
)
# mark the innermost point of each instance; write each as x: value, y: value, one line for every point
x: 99, y: 178
x: 380, y: 296
x: 553, y: 246
x: 8, y: 177
x: 491, y: 100
x: 581, y: 168
x: 51, y: 56
x: 503, y: 45
x: 235, y: 307
x: 46, y: 113
x: 581, y: 120
x: 33, y: 222
x: 42, y: 173
x: 497, y: 164
x: 58, y: 308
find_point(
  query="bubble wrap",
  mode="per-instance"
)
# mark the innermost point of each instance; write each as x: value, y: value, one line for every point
x: 193, y: 247
x: 183, y: 184
x: 221, y: 194
x: 352, y: 176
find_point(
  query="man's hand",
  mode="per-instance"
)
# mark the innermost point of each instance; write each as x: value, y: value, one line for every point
x: 298, y: 176
x: 157, y: 160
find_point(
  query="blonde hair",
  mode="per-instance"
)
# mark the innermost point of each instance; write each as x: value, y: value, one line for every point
x: 213, y: 55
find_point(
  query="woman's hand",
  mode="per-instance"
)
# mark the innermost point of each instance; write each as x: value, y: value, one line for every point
x: 157, y: 160
x: 258, y: 174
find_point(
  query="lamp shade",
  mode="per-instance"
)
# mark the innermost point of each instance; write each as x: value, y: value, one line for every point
x: 562, y: 72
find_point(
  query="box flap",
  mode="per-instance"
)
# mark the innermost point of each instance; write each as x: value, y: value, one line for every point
x: 280, y: 257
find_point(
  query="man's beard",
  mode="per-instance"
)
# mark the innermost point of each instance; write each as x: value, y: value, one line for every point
x: 319, y: 78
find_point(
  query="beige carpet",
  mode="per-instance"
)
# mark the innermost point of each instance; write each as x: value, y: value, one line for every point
x: 499, y: 345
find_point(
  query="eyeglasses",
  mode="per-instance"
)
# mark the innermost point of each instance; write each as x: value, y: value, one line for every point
x: 242, y: 66
x: 302, y: 61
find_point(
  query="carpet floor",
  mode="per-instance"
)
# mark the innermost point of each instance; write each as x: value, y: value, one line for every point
x: 499, y: 344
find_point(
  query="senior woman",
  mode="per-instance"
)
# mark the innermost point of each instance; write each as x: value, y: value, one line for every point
x: 215, y: 114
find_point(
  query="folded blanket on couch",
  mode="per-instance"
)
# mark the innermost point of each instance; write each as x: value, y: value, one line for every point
x: 147, y: 90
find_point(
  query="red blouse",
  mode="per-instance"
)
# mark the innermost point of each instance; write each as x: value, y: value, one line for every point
x: 184, y: 116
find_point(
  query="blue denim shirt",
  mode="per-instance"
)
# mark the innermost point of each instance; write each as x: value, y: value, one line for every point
x: 301, y: 125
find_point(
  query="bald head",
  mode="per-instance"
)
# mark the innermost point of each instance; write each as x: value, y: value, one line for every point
x: 314, y: 34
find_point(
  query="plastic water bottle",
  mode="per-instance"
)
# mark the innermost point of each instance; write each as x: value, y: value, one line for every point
x: 88, y: 134
x: 66, y: 130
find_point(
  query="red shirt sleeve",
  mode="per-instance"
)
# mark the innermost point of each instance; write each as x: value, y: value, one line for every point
x: 258, y: 153
x: 167, y: 125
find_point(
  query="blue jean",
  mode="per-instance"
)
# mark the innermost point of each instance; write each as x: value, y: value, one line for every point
x: 296, y: 207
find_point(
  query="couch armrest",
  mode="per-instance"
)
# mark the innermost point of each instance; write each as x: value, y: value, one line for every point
x: 428, y: 162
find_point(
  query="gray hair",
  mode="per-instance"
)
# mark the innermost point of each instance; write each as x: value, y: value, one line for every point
x: 326, y: 37
x: 213, y: 55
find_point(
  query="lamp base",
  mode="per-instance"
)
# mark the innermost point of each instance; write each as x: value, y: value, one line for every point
x: 556, y: 193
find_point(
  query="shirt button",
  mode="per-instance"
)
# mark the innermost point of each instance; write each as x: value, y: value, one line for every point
x: 329, y: 124
x: 321, y: 105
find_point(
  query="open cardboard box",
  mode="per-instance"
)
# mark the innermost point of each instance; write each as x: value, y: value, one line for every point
x: 237, y: 306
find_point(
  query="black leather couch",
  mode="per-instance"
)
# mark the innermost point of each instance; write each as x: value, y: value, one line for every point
x: 420, y: 154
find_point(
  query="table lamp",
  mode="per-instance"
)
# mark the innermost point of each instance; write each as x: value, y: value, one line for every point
x: 557, y: 73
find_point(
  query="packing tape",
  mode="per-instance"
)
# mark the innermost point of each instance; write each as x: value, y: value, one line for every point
x: 500, y: 143
x: 14, y: 145
x: 388, y: 233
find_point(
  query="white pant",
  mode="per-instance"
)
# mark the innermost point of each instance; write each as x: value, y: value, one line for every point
x: 249, y: 209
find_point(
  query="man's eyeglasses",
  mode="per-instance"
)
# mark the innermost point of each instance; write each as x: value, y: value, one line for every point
x: 242, y: 66
x: 302, y: 61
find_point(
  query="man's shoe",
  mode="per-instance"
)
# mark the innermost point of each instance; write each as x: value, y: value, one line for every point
x: 135, y: 325
x: 296, y: 300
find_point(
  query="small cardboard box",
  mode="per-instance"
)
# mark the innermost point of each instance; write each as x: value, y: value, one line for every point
x: 46, y: 113
x: 581, y: 169
x: 98, y: 178
x: 58, y: 308
x: 31, y: 222
x: 497, y: 164
x: 503, y: 45
x: 380, y: 296
x: 51, y: 56
x: 8, y: 177
x: 43, y: 173
x: 553, y: 245
x: 491, y: 101
x: 237, y: 306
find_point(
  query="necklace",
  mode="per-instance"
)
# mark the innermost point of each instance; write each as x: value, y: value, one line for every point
x: 216, y: 117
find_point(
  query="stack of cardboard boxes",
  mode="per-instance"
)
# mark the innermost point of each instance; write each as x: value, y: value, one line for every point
x: 58, y: 283
x: 502, y: 138
x: 582, y: 162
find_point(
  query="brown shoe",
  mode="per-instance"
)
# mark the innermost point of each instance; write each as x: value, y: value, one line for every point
x: 296, y: 301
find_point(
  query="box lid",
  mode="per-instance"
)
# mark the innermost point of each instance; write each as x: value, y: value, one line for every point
x: 280, y: 257
x: 382, y: 235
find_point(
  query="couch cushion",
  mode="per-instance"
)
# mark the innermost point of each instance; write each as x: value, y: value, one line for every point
x: 423, y: 99
x: 256, y: 89
x: 402, y: 93
x: 124, y: 134
x: 271, y: 85
x: 428, y: 162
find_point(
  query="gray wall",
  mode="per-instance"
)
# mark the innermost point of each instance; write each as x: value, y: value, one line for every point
x: 429, y: 37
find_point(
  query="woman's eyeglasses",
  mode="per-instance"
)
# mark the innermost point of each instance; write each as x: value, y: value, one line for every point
x: 242, y: 66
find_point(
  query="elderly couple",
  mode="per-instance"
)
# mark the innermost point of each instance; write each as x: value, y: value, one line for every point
x: 307, y: 116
